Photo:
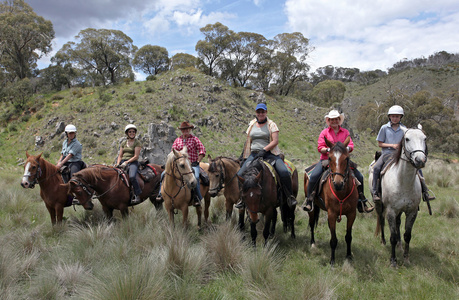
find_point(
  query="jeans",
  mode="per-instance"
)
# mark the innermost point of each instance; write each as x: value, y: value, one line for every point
x: 133, y: 168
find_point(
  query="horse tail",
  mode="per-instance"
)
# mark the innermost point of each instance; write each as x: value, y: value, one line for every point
x: 380, y: 217
x: 378, y: 227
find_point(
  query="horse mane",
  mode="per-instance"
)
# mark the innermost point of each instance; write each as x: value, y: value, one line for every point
x: 397, y: 153
x: 250, y: 174
x: 93, y: 173
x: 213, y: 164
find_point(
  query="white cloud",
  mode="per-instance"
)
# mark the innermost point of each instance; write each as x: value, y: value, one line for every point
x: 374, y: 34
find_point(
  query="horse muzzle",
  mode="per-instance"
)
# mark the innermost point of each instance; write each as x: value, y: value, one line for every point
x: 27, y: 185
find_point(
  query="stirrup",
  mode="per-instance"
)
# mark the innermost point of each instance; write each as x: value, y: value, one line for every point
x: 136, y: 200
x: 196, y: 202
x: 362, y: 206
x: 308, y: 206
x: 427, y: 197
x: 291, y: 201
x: 75, y: 202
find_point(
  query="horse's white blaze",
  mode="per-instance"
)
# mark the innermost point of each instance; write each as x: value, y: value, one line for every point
x: 251, y: 194
x: 26, y: 173
x: 337, y: 156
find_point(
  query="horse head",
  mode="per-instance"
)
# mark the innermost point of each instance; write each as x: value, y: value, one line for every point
x: 181, y: 167
x: 81, y: 190
x: 251, y: 193
x: 32, y: 171
x: 338, y: 160
x: 216, y: 176
x: 414, y: 147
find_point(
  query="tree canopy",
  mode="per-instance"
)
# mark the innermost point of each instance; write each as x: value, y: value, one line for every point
x: 24, y: 38
x: 151, y: 59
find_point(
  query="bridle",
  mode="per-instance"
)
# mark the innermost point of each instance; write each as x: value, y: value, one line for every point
x: 38, y: 175
x: 87, y: 187
x: 345, y: 175
x: 222, y: 171
x: 410, y: 154
x: 177, y: 179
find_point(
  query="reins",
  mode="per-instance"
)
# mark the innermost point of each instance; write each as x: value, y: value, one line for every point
x: 331, y: 183
x: 221, y: 184
x: 38, y: 174
x: 409, y: 154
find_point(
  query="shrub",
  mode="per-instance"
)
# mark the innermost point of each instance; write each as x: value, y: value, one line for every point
x: 151, y: 77
x: 149, y: 90
x: 57, y: 97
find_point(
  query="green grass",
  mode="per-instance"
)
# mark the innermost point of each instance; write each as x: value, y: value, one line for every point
x: 143, y: 257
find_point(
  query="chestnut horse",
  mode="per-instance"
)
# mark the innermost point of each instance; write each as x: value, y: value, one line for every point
x: 47, y: 175
x: 107, y: 185
x: 177, y: 185
x: 223, y: 175
x: 261, y: 194
x: 338, y: 196
x: 401, y: 190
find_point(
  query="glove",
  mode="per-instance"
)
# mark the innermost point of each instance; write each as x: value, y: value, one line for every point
x: 195, y: 164
x: 261, y: 154
x: 124, y: 164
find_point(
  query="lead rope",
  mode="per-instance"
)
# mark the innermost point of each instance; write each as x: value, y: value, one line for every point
x: 339, y: 200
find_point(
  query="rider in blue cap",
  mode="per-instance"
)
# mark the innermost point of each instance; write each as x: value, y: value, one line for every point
x: 262, y: 142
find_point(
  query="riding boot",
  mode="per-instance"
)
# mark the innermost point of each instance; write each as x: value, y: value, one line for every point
x: 308, y: 205
x: 425, y: 190
x: 375, y: 193
x: 362, y: 203
x: 196, y: 201
x: 240, y: 204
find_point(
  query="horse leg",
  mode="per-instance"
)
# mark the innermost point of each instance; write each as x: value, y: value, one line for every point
x: 52, y: 214
x: 273, y: 224
x: 333, y: 240
x: 409, y: 222
x: 313, y: 217
x: 291, y: 220
x: 241, y: 219
x: 108, y: 212
x: 350, y: 222
x: 206, y: 208
x: 59, y: 213
x: 382, y: 224
x: 198, y: 213
x: 267, y: 229
x: 229, y: 209
x: 398, y: 223
x: 124, y: 212
x: 185, y: 215
x: 391, y: 219
x: 253, y: 233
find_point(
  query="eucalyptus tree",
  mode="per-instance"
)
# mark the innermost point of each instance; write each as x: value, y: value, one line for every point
x: 243, y: 57
x: 105, y: 55
x: 151, y: 59
x: 182, y: 61
x: 291, y: 52
x: 24, y: 38
x: 212, y: 49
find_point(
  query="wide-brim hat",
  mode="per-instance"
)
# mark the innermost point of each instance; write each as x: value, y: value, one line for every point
x: 186, y: 125
x: 334, y: 114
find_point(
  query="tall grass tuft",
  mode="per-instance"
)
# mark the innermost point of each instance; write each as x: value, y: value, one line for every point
x: 225, y: 249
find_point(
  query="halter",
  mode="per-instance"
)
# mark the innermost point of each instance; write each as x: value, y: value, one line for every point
x: 85, y: 187
x: 345, y: 178
x: 409, y: 154
x: 182, y: 182
x: 38, y: 175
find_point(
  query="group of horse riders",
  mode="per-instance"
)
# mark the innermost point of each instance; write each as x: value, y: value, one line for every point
x: 261, y: 143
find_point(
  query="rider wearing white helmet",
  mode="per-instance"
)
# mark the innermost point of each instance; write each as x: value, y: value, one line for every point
x: 128, y: 156
x: 71, y: 151
x: 389, y: 138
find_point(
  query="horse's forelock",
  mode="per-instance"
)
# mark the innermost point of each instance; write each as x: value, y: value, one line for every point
x: 213, y: 167
x: 339, y: 147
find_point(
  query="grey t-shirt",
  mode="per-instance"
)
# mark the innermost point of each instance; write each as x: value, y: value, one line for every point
x: 390, y: 136
x: 260, y: 137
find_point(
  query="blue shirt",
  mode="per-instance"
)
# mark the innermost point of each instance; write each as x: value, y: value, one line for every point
x: 390, y: 136
x: 74, y: 148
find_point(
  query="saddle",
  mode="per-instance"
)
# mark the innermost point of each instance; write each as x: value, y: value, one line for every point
x: 204, y: 177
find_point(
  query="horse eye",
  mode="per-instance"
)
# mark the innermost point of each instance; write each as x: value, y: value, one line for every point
x: 407, y: 139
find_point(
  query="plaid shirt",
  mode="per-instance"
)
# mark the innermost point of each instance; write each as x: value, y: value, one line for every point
x: 193, y: 144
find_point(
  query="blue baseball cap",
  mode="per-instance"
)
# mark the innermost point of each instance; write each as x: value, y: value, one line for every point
x: 261, y: 106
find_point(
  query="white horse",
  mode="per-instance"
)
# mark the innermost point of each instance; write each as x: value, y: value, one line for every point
x: 401, y: 190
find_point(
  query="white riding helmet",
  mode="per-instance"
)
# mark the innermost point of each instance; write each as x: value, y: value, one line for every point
x: 130, y: 126
x: 396, y: 110
x: 70, y: 128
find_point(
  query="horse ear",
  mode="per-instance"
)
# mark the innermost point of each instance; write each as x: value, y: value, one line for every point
x: 176, y: 153
x: 184, y: 150
x: 27, y: 154
x: 39, y: 155
x: 347, y: 140
x: 420, y: 126
x: 329, y: 144
x: 209, y: 158
x: 241, y: 180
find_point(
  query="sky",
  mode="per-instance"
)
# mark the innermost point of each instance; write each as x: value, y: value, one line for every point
x: 364, y: 34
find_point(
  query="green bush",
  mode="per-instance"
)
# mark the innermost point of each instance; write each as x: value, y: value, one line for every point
x: 151, y: 77
x: 149, y: 90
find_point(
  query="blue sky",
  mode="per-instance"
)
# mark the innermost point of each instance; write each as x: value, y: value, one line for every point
x: 345, y: 33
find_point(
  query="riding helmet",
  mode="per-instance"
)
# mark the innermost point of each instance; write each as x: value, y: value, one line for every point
x: 130, y: 126
x: 396, y: 110
x: 70, y: 128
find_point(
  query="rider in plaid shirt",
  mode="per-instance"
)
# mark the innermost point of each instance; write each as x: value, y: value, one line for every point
x: 196, y: 152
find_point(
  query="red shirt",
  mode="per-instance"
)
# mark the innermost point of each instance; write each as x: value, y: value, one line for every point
x: 193, y: 145
x: 334, y: 138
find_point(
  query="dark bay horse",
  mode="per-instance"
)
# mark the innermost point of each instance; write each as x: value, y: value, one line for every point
x: 401, y: 190
x: 223, y: 175
x: 177, y: 185
x: 261, y: 194
x: 106, y: 183
x: 47, y: 175
x: 339, y: 194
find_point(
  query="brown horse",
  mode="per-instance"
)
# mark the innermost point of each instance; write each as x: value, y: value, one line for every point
x: 338, y: 196
x: 108, y: 186
x: 261, y: 194
x: 223, y: 175
x: 177, y: 185
x: 47, y: 175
